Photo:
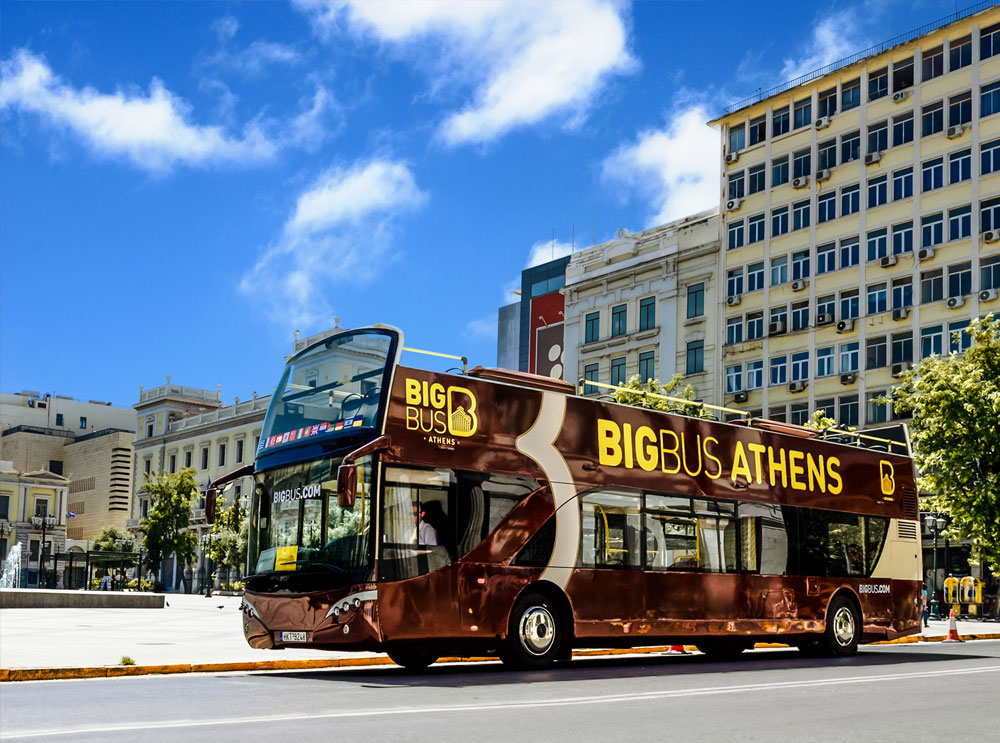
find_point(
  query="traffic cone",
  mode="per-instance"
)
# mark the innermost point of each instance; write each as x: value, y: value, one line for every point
x: 952, y: 629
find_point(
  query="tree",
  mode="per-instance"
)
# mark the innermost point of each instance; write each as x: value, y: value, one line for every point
x: 650, y: 394
x: 166, y: 530
x: 228, y: 547
x: 821, y: 422
x: 954, y: 401
x: 113, y: 539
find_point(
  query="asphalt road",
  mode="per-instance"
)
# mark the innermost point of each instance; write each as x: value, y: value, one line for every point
x: 906, y: 693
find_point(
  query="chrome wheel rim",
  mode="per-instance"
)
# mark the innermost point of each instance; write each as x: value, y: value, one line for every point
x: 843, y: 626
x: 537, y: 630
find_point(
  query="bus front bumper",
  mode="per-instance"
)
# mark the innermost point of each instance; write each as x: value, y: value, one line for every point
x: 345, y: 619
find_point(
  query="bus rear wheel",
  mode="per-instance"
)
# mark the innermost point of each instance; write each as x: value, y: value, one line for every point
x: 534, y: 636
x: 843, y: 627
x: 411, y: 660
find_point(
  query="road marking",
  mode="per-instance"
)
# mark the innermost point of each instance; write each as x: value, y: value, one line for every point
x: 560, y: 702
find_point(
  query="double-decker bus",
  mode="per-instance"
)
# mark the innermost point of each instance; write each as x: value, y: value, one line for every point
x: 491, y: 512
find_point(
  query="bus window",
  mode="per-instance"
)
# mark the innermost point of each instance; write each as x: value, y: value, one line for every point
x: 831, y: 543
x: 764, y: 539
x: 538, y: 551
x: 876, y: 529
x: 482, y: 502
x: 670, y: 534
x: 716, y: 536
x: 415, y: 525
x: 610, y: 522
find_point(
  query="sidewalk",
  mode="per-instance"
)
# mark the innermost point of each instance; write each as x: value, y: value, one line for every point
x: 191, y: 631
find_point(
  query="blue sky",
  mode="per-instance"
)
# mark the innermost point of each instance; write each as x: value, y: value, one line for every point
x: 184, y: 184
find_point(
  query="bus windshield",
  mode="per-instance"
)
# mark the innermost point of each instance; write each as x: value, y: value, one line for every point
x: 327, y: 390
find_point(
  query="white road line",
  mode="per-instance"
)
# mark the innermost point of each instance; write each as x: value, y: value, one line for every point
x: 562, y: 702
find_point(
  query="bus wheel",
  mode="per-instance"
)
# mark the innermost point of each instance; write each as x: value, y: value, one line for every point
x: 843, y: 627
x: 721, y: 650
x: 534, y: 635
x: 411, y: 660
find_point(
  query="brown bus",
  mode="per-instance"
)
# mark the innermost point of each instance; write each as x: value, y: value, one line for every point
x: 490, y: 512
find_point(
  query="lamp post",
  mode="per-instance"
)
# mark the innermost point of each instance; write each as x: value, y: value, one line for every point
x: 43, y: 522
x: 935, y: 524
x: 206, y: 542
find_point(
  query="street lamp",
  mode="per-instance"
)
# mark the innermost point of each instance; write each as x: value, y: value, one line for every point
x: 206, y: 543
x: 935, y: 525
x: 42, y: 522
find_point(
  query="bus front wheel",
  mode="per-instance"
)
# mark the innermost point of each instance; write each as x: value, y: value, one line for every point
x: 843, y: 627
x: 410, y: 660
x: 534, y: 635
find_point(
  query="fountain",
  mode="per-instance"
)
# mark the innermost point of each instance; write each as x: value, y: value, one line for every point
x: 11, y: 577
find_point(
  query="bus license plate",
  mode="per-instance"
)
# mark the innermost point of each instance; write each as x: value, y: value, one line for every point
x: 293, y: 636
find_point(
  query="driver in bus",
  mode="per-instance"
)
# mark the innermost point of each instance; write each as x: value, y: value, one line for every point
x: 423, y: 533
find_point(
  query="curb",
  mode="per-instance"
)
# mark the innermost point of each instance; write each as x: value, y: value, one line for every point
x: 53, y: 674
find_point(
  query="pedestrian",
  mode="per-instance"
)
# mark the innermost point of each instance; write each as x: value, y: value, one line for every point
x: 925, y: 610
x: 106, y: 582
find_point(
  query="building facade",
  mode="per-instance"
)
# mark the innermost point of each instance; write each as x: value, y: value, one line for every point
x: 642, y: 304
x: 860, y: 224
x: 24, y: 495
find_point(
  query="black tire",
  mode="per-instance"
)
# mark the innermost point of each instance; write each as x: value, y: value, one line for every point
x: 411, y: 660
x: 843, y: 628
x: 535, y: 634
x: 721, y: 650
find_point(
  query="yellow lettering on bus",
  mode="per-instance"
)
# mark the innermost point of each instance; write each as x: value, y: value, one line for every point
x: 437, y: 395
x: 817, y: 474
x: 627, y: 440
x: 795, y: 469
x: 462, y: 419
x: 413, y: 416
x: 836, y: 484
x: 412, y: 392
x: 777, y: 466
x: 684, y: 458
x: 758, y: 450
x: 665, y: 450
x: 645, y: 448
x: 741, y: 468
x: 609, y: 437
x: 709, y: 455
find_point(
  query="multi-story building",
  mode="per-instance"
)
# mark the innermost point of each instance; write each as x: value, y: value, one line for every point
x: 860, y: 222
x: 530, y: 331
x: 641, y: 304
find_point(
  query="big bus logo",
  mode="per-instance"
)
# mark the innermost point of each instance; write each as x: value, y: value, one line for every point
x: 888, y: 477
x: 435, y: 409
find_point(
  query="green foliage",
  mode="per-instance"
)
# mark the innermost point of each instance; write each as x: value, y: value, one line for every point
x: 820, y: 422
x: 166, y: 529
x: 228, y: 547
x: 955, y: 404
x: 641, y: 395
x: 126, y: 661
x: 113, y: 539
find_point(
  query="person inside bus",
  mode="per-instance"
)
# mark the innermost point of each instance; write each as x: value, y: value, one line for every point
x: 423, y: 532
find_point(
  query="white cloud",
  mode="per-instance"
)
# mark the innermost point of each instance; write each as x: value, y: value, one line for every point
x: 483, y: 329
x: 254, y: 59
x: 340, y: 232
x: 153, y: 131
x: 226, y: 27
x: 526, y: 62
x: 676, y: 168
x: 547, y: 250
x: 834, y: 37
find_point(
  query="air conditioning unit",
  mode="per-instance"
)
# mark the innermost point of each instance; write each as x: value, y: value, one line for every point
x: 900, y: 95
x: 733, y: 204
x: 776, y: 328
x: 824, y: 318
x: 991, y: 236
x: 823, y: 175
x: 799, y: 284
x: 733, y: 301
x: 955, y: 302
x: 800, y: 182
x: 797, y: 386
x: 873, y: 157
x: 848, y: 378
x: 845, y: 326
x: 887, y: 261
x: 955, y: 131
x: 898, y: 369
x: 822, y: 122
x: 987, y: 295
x: 741, y: 397
x: 732, y: 157
x: 900, y: 313
x: 925, y: 254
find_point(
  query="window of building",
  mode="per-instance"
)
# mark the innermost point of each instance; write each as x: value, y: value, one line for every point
x: 958, y: 339
x: 779, y: 221
x: 850, y: 199
x: 931, y: 341
x: 878, y: 191
x: 696, y: 300
x: 826, y: 305
x: 960, y: 279
x: 849, y: 304
x: 931, y: 286
x: 826, y: 155
x: 647, y: 313
x: 800, y: 265
x: 960, y: 53
x: 803, y: 113
x: 960, y: 222
x: 902, y: 74
x: 149, y: 430
x: 932, y: 64
x: 902, y: 129
x: 647, y: 366
x: 755, y: 179
x: 779, y: 122
x: 239, y: 451
x: 779, y: 370
x: 734, y: 282
x: 736, y: 184
x: 204, y: 458
x: 989, y: 41
x: 877, y: 295
x: 902, y: 184
x: 221, y: 461
x: 755, y: 276
x: 734, y: 330
x: 187, y: 459
x: 824, y: 361
x: 800, y: 215
x: 931, y: 230
x: 875, y: 412
x: 826, y: 258
x: 147, y: 466
x: 779, y: 270
x: 777, y: 413
x: 902, y: 292
x: 779, y: 315
x: 902, y: 347
x: 755, y: 375
x: 989, y: 273
x: 592, y: 327
x: 960, y: 109
x: 876, y: 352
x: 849, y: 252
x: 826, y: 207
x: 800, y: 315
x: 737, y: 138
x: 990, y: 157
x: 850, y: 147
x: 619, y: 320
x: 590, y: 372
x: 755, y: 228
x: 826, y: 103
x: 989, y: 99
x: 779, y: 171
x: 877, y: 246
x: 850, y: 95
x: 932, y: 173
x: 83, y: 421
x: 755, y: 325
x: 800, y: 366
x: 849, y: 357
x: 618, y: 370
x: 758, y: 130
x: 847, y: 410
x: 878, y: 84
x: 932, y: 119
x: 960, y: 166
x: 801, y: 163
x: 902, y: 238
x: 878, y: 137
x: 734, y: 379
x: 695, y: 357
x: 989, y: 215
x: 172, y: 464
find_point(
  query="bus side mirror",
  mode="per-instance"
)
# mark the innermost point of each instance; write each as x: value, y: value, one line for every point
x: 347, y: 485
